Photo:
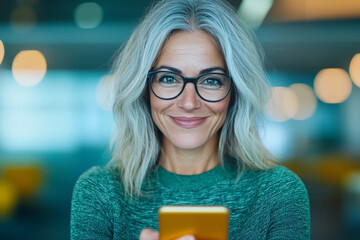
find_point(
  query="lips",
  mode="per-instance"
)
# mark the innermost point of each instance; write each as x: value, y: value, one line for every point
x: 188, y: 122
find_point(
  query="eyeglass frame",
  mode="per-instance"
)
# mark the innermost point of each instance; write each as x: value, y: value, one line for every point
x: 189, y: 80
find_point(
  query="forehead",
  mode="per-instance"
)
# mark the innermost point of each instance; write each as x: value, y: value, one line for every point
x: 190, y: 47
x: 187, y: 41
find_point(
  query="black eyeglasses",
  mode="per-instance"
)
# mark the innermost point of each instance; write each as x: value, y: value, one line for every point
x: 211, y: 87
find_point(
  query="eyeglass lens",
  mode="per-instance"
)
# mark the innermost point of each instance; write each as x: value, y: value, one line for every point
x: 211, y: 86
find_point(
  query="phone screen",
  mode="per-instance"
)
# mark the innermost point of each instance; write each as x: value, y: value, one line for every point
x: 204, y: 222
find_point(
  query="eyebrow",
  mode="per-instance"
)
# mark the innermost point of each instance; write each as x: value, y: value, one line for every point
x: 169, y: 68
x: 206, y: 70
x: 211, y: 69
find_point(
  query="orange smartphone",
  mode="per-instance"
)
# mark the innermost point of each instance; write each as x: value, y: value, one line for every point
x: 204, y: 222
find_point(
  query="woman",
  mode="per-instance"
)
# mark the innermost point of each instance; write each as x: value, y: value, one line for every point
x: 189, y: 93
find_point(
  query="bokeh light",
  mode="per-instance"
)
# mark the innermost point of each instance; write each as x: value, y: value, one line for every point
x: 29, y: 67
x: 332, y: 85
x: 2, y: 51
x: 355, y: 69
x: 283, y: 105
x: 253, y: 12
x: 8, y: 198
x: 307, y: 102
x: 352, y: 182
x: 88, y: 15
x: 104, y: 93
x: 25, y: 179
x: 23, y: 19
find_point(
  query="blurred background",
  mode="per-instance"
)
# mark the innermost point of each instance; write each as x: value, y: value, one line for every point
x: 55, y: 106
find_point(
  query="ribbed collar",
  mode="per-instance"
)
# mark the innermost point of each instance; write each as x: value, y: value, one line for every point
x: 191, y: 182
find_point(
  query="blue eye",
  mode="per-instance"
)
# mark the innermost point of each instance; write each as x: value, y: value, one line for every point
x: 166, y: 80
x: 212, y: 82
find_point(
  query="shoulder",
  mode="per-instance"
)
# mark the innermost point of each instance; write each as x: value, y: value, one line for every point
x: 98, y: 174
x: 276, y: 185
x: 282, y: 188
x: 287, y: 200
x: 98, y: 179
x: 95, y: 200
x: 281, y: 179
x: 278, y: 176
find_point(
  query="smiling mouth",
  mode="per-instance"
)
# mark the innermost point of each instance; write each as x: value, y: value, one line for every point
x: 185, y: 122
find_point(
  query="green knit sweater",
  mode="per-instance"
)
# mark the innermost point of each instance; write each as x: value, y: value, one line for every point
x: 270, y: 204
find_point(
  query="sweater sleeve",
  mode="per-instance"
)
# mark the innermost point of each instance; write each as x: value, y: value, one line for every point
x: 89, y: 207
x: 289, y: 207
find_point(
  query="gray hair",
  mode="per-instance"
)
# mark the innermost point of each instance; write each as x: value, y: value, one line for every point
x: 136, y: 143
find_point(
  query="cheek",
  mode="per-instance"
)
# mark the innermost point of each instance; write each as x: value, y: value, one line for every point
x: 157, y: 107
x: 153, y: 102
x: 220, y: 108
x: 154, y: 107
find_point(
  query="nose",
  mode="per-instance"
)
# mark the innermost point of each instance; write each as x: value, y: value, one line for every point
x: 189, y: 99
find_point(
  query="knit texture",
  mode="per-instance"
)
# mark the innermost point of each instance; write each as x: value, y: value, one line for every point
x: 270, y: 204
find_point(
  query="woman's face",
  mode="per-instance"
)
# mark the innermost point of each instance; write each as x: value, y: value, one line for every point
x: 189, y: 122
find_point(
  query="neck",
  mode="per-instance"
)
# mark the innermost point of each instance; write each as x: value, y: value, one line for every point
x: 189, y: 161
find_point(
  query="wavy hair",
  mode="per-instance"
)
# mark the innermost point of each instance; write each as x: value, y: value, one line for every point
x: 136, y: 143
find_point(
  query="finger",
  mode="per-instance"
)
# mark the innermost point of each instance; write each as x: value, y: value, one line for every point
x: 148, y: 234
x: 187, y: 237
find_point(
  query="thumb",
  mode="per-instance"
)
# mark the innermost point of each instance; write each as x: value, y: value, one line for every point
x: 148, y: 234
x: 187, y: 237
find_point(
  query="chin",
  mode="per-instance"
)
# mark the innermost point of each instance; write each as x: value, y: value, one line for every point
x: 188, y: 142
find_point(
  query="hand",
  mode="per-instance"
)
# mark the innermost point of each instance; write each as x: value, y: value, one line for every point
x: 148, y: 234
